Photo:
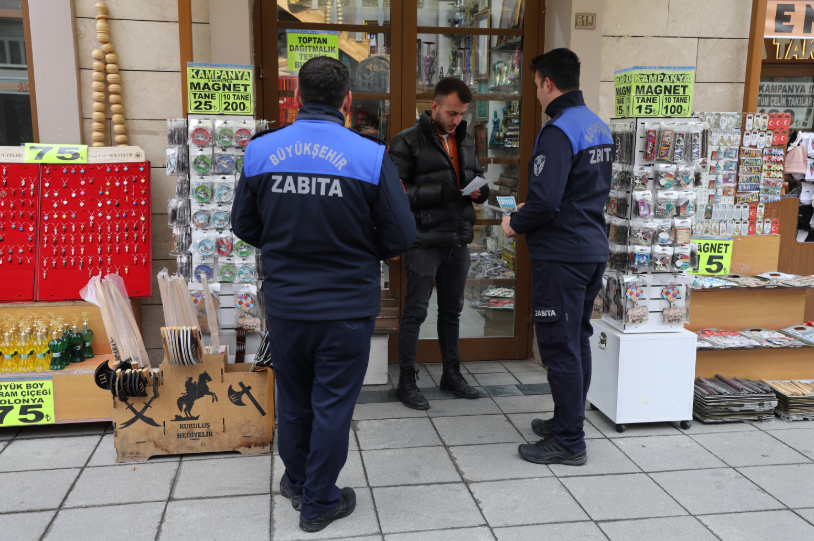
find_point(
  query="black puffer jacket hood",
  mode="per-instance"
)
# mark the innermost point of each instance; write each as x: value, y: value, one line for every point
x: 425, y: 168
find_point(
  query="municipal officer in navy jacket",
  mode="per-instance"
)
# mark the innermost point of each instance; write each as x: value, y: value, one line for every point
x: 324, y: 205
x: 569, y: 181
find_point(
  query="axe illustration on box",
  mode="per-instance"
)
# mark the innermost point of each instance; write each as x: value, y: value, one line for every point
x: 237, y: 397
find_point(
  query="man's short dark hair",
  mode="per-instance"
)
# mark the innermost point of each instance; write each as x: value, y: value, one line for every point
x: 452, y: 85
x: 324, y: 80
x: 561, y: 66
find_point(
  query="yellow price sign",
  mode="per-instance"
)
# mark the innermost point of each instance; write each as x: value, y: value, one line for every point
x: 41, y: 153
x: 714, y: 256
x: 26, y: 401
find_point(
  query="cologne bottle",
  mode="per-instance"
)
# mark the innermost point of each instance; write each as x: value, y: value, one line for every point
x: 24, y: 354
x: 9, y: 350
x: 75, y: 344
x: 57, y: 347
x: 87, y: 338
x: 41, y: 360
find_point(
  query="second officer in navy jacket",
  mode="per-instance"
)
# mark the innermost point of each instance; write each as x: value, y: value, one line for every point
x: 564, y: 225
x: 324, y: 205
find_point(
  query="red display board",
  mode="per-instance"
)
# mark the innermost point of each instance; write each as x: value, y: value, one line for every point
x: 94, y: 219
x: 19, y: 211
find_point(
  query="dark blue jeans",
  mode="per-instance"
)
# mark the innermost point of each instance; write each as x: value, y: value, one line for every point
x: 319, y: 366
x: 448, y: 266
x: 562, y: 296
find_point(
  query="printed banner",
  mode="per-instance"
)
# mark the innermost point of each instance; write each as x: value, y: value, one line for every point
x: 304, y: 45
x: 220, y: 88
x: 714, y: 256
x: 26, y: 401
x: 643, y: 91
x: 786, y: 19
x: 796, y: 98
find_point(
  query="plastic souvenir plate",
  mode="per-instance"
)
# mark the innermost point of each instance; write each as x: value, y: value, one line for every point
x: 204, y: 271
x: 226, y: 164
x: 243, y: 249
x: 225, y: 193
x: 201, y: 219
x: 206, y: 247
x: 202, y: 163
x: 227, y: 273
x: 201, y: 136
x: 226, y: 137
x: 202, y: 193
x: 243, y: 136
x: 220, y: 219
x: 245, y: 274
x: 224, y: 246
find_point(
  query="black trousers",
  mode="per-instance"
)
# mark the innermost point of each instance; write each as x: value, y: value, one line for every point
x: 448, y: 266
x: 562, y: 296
x: 319, y: 366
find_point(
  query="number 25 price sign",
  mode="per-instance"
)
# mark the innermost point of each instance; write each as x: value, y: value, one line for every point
x: 26, y: 401
x: 714, y: 256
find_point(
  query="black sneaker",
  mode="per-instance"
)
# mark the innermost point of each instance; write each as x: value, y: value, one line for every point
x: 287, y: 492
x: 551, y: 451
x: 346, y: 506
x: 543, y: 428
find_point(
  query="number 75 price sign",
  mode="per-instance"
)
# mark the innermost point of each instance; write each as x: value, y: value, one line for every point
x: 26, y: 401
x: 714, y: 256
x: 67, y: 154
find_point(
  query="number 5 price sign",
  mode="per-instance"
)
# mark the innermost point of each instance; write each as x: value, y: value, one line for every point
x: 40, y: 153
x: 714, y: 256
x: 26, y: 401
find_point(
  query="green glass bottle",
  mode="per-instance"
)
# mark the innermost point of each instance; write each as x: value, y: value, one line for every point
x: 57, y: 347
x: 87, y: 338
x: 75, y: 345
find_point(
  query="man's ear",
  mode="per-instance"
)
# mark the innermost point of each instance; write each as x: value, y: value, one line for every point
x: 297, y: 97
x: 435, y: 106
x: 347, y: 103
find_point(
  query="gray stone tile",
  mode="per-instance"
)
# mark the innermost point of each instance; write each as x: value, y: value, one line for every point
x: 526, y: 501
x: 35, y: 490
x: 7, y: 433
x: 420, y: 465
x: 758, y: 526
x: 388, y: 410
x: 530, y: 389
x: 531, y: 377
x: 437, y: 394
x: 584, y: 531
x: 134, y: 522
x: 667, y: 453
x: 484, y: 367
x: 111, y: 485
x: 231, y: 477
x: 385, y: 387
x: 525, y: 404
x: 495, y: 462
x: 519, y: 367
x: 45, y: 453
x: 779, y: 424
x: 789, y: 484
x: 62, y: 430
x: 807, y: 514
x: 105, y: 455
x: 801, y: 440
x: 663, y: 529
x: 361, y: 522
x: 714, y: 491
x: 3, y: 445
x: 463, y: 534
x: 210, y: 456
x: 608, y: 428
x: 522, y: 421
x: 352, y: 475
x: 218, y: 519
x: 25, y: 526
x: 373, y: 397
x: 495, y: 379
x: 603, y: 458
x: 746, y: 449
x: 395, y: 433
x: 613, y: 497
x: 423, y: 507
x: 451, y: 408
x: 502, y: 390
x: 476, y: 429
x: 715, y: 428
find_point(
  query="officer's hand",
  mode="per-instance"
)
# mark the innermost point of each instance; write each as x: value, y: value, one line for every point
x: 475, y: 194
x: 520, y: 206
x: 507, y: 228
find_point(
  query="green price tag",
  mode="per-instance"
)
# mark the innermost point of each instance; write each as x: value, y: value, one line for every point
x: 304, y: 45
x: 41, y: 153
x: 26, y: 401
x: 714, y: 256
x: 220, y: 88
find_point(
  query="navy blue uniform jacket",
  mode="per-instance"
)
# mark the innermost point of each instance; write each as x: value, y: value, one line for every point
x: 324, y: 205
x: 569, y: 181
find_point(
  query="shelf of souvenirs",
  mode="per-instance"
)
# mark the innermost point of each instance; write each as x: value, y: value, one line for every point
x: 794, y: 337
x: 85, y: 367
x: 737, y: 282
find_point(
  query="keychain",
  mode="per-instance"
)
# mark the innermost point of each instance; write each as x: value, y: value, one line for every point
x: 636, y: 314
x: 673, y: 314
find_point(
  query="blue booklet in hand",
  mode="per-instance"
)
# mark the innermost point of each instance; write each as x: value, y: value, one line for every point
x: 507, y: 204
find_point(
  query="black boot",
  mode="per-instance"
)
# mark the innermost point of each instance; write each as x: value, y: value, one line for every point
x: 407, y: 390
x: 452, y: 380
x: 346, y: 506
x: 551, y: 451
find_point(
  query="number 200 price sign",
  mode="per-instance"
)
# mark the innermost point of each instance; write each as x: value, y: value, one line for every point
x: 714, y: 256
x: 26, y: 401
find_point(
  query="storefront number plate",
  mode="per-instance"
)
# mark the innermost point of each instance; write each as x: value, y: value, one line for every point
x: 26, y: 401
x: 67, y: 154
x: 714, y: 256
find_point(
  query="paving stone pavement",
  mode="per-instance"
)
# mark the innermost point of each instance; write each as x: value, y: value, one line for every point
x: 451, y: 473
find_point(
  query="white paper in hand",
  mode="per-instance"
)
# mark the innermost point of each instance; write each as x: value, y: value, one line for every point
x: 476, y: 184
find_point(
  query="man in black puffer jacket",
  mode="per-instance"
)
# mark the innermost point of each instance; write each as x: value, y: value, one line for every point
x: 435, y: 159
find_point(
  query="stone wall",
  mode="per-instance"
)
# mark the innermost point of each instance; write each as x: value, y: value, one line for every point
x: 711, y: 35
x: 145, y: 35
